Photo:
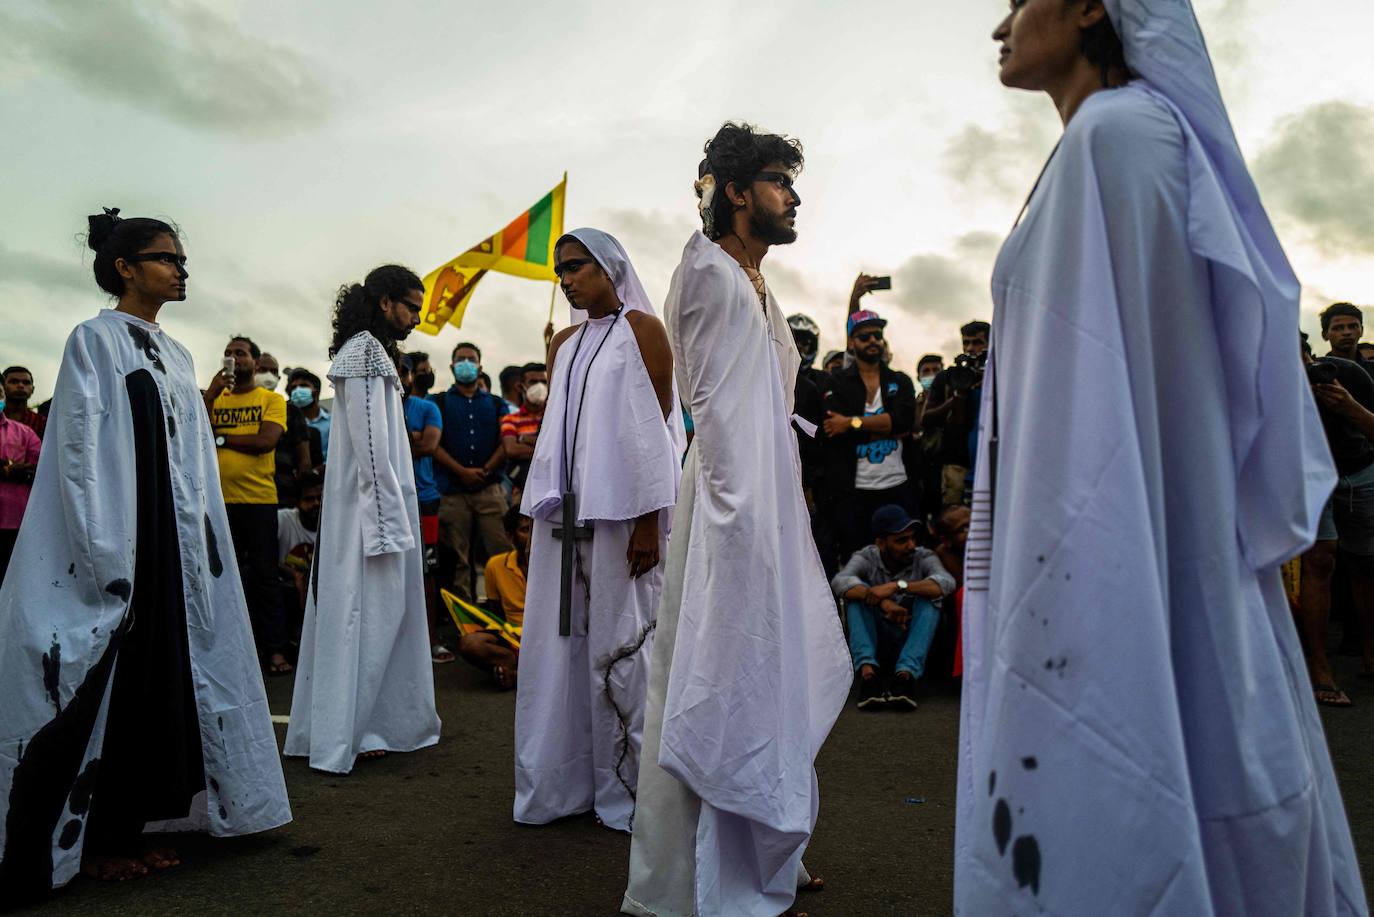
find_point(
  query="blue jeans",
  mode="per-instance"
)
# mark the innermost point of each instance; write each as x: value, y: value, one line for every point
x: 864, y: 625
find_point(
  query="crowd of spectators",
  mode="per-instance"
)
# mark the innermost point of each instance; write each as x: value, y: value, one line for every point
x: 887, y: 472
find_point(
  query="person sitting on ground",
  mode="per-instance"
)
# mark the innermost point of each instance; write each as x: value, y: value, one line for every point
x: 951, y: 527
x: 297, y: 532
x: 891, y: 585
x: 505, y: 577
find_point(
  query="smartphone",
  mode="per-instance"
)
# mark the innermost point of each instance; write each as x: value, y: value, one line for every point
x: 881, y: 283
x: 228, y: 369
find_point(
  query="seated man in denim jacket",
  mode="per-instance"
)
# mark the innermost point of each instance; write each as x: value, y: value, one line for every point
x: 895, y: 586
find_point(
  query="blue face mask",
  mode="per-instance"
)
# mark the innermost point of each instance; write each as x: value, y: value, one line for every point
x: 465, y: 371
x: 301, y: 396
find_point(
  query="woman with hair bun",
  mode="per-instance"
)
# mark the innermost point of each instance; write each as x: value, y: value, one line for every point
x: 133, y: 700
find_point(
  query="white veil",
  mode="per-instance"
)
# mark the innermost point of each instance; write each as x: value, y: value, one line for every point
x: 1256, y: 301
x: 610, y: 254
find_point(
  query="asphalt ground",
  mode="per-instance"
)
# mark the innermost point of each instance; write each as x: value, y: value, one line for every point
x: 431, y: 832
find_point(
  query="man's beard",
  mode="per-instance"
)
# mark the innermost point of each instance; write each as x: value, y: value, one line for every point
x: 770, y: 228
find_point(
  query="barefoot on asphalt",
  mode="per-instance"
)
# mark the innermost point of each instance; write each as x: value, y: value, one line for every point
x: 160, y: 858
x: 817, y: 884
x: 112, y: 868
x: 371, y: 755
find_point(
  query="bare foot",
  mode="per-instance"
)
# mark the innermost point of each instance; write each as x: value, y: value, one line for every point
x: 161, y: 858
x: 112, y: 868
x: 505, y: 678
x: 278, y: 665
x: 371, y: 755
x: 817, y: 884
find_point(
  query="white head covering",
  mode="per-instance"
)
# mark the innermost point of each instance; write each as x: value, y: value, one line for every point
x: 610, y: 254
x: 1256, y: 302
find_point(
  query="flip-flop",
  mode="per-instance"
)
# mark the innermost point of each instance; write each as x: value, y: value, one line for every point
x: 1331, y: 696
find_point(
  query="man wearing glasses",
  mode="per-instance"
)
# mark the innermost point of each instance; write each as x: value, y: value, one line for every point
x: 870, y: 408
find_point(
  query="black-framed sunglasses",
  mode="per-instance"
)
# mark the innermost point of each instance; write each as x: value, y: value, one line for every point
x: 863, y: 337
x: 781, y: 179
x: 169, y: 258
x: 572, y: 264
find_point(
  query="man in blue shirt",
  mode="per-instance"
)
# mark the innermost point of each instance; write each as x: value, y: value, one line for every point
x: 303, y: 391
x: 467, y: 467
x: 425, y: 424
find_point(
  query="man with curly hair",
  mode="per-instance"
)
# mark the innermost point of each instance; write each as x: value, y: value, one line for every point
x: 749, y: 667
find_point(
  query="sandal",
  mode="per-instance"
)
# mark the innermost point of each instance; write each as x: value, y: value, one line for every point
x: 440, y: 654
x: 1331, y: 696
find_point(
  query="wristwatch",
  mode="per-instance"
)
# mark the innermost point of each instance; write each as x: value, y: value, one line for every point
x: 902, y: 585
x: 856, y: 423
x: 219, y: 440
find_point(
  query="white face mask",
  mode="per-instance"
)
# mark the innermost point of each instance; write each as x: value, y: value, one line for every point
x: 536, y: 394
x: 267, y: 380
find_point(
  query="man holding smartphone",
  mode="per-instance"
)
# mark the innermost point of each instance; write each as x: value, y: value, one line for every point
x: 248, y: 420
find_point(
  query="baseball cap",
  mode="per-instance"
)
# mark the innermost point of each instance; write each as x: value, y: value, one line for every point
x: 864, y: 317
x: 891, y: 519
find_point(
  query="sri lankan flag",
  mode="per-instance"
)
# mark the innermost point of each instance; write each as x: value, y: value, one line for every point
x: 470, y: 620
x: 524, y: 248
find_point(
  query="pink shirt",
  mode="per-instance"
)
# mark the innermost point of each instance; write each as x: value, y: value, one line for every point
x: 17, y: 444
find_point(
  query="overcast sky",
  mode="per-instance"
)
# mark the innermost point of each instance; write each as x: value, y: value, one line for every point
x: 300, y: 144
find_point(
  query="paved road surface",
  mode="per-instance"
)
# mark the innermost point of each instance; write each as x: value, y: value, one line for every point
x: 431, y: 832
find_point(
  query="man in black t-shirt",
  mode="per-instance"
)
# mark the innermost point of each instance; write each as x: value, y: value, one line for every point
x: 1345, y: 400
x: 953, y: 410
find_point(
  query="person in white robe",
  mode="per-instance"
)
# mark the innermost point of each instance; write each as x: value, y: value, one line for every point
x: 133, y: 701
x: 750, y: 667
x: 613, y: 438
x: 364, y: 681
x: 1138, y: 734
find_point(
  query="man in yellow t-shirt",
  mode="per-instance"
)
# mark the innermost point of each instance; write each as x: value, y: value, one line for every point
x: 505, y: 587
x: 247, y: 421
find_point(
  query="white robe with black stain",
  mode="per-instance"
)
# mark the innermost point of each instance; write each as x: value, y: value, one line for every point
x: 1138, y: 730
x: 364, y: 680
x: 579, y: 711
x: 66, y: 605
x: 750, y: 667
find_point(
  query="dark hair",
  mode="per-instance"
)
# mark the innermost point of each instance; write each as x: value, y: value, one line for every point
x: 533, y: 368
x: 358, y: 307
x: 112, y: 238
x: 929, y: 358
x: 15, y: 369
x: 512, y: 519
x: 973, y: 328
x: 252, y: 348
x: 308, y: 480
x: 301, y: 373
x: 1350, y: 310
x: 737, y: 153
x: 510, y: 374
x: 1102, y: 47
x: 460, y: 345
x: 941, y: 526
x: 1306, y: 344
x: 484, y: 378
x: 414, y: 358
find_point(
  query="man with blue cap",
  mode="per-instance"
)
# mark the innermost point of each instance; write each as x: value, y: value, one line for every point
x: 891, y: 587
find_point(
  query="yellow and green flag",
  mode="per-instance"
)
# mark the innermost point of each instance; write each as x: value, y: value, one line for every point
x: 470, y: 619
x: 524, y: 248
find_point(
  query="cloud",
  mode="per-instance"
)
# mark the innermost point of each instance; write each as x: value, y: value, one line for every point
x: 1318, y: 173
x: 1001, y: 161
x: 182, y: 59
x: 45, y: 272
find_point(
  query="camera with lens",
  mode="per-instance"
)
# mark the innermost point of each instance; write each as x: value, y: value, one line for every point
x: 1321, y: 372
x: 966, y: 373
